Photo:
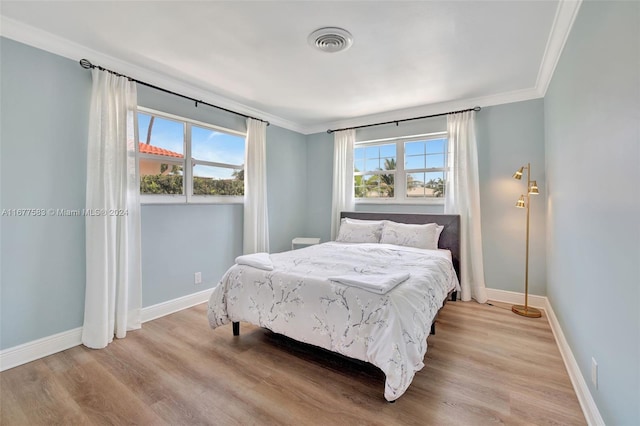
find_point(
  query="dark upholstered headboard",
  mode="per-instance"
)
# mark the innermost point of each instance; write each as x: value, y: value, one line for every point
x: 449, y: 239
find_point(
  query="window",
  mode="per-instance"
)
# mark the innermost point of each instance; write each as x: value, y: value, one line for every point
x: 374, y: 171
x: 418, y: 176
x: 181, y: 160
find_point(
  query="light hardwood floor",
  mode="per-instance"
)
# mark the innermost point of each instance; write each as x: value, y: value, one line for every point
x: 485, y: 365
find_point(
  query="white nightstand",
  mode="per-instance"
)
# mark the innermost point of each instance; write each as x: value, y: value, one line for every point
x: 304, y: 241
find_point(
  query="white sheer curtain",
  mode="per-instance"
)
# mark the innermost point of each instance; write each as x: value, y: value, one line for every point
x: 342, y: 199
x: 113, y: 297
x: 256, y: 218
x: 463, y: 197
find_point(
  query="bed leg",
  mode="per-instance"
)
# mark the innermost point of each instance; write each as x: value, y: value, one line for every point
x: 433, y: 328
x: 236, y: 328
x: 454, y: 296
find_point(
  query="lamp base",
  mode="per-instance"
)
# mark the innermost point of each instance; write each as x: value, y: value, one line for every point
x: 527, y: 311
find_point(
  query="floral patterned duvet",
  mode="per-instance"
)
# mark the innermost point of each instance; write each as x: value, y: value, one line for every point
x: 298, y: 300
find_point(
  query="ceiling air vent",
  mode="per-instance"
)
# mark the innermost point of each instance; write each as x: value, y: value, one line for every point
x: 330, y: 39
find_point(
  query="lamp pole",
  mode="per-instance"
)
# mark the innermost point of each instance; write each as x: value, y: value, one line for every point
x: 525, y: 310
x: 526, y: 262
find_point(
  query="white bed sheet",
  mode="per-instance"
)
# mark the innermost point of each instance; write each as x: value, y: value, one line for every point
x: 297, y: 299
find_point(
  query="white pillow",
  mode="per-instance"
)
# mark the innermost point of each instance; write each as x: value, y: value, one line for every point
x: 352, y: 220
x: 439, y: 229
x: 402, y: 234
x: 380, y: 223
x: 351, y: 232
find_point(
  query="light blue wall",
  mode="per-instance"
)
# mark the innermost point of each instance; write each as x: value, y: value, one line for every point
x: 592, y: 111
x: 43, y: 128
x: 287, y: 187
x: 319, y: 184
x: 508, y: 136
x: 178, y: 240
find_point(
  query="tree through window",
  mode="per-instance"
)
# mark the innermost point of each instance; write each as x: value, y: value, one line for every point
x: 419, y: 175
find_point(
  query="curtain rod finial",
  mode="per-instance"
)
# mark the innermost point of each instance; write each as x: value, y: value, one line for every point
x: 477, y: 108
x: 86, y: 64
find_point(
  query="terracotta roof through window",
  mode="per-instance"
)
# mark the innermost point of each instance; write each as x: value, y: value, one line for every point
x: 151, y: 149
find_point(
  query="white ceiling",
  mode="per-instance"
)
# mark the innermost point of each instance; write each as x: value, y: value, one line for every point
x: 407, y: 57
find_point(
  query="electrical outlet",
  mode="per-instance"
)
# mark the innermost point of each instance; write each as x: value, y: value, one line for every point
x: 594, y: 372
x: 197, y: 278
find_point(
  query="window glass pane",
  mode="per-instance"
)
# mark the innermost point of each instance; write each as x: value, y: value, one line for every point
x: 414, y: 162
x: 375, y: 186
x: 378, y: 157
x: 163, y: 138
x: 359, y: 165
x: 415, y: 185
x: 161, y: 176
x: 425, y: 185
x: 219, y: 147
x: 358, y: 153
x: 388, y: 151
x: 435, y: 161
x: 434, y: 184
x: 372, y: 152
x: 160, y: 136
x: 388, y: 163
x: 387, y: 185
x: 209, y: 180
x: 436, y: 146
x: 359, y: 186
x: 372, y: 186
x: 414, y: 148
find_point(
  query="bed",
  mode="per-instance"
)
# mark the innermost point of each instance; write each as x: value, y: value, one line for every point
x: 370, y: 301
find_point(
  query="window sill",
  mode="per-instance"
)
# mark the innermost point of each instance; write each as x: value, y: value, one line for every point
x: 430, y: 202
x: 182, y: 200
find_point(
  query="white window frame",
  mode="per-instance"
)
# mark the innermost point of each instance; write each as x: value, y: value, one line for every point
x: 188, y: 197
x: 400, y: 197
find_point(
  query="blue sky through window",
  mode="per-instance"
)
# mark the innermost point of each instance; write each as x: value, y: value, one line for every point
x: 206, y: 144
x: 167, y: 134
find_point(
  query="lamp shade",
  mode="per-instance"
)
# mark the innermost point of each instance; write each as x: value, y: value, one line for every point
x: 518, y: 174
x: 533, y: 188
x: 520, y: 202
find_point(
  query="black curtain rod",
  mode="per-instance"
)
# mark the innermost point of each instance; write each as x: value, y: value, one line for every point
x: 86, y: 64
x: 404, y: 119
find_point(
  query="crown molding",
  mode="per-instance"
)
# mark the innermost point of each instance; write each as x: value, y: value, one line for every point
x: 437, y: 108
x: 43, y: 40
x: 562, y: 23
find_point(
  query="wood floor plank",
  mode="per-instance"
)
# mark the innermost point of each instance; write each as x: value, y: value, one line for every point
x: 35, y: 397
x: 484, y: 365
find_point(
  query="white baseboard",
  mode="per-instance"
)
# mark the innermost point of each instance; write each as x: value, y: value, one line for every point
x: 31, y: 351
x: 589, y: 407
x: 165, y: 308
x: 40, y: 348
x: 512, y: 297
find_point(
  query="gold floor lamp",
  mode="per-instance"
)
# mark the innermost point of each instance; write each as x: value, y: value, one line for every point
x: 524, y: 203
